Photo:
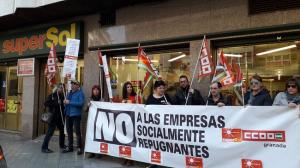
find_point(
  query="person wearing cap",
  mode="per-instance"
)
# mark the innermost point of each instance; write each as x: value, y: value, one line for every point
x: 55, y: 105
x: 159, y: 97
x: 185, y: 92
x: 291, y: 97
x: 73, y: 107
x: 258, y: 95
x: 216, y: 98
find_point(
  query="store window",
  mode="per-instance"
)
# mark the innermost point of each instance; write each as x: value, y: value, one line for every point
x: 170, y: 66
x: 274, y: 62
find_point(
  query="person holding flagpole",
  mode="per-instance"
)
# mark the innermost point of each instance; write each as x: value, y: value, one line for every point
x: 55, y: 105
x: 186, y: 94
x: 159, y: 97
x: 73, y: 108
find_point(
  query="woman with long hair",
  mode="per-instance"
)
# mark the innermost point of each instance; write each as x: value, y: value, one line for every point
x: 129, y: 95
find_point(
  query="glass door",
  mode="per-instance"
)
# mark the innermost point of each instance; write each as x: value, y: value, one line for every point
x: 2, y: 96
x: 13, y: 105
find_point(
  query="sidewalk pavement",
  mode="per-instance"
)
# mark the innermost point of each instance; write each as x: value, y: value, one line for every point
x: 27, y: 154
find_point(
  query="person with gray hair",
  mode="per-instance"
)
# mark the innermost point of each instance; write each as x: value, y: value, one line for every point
x: 55, y: 105
x: 291, y: 96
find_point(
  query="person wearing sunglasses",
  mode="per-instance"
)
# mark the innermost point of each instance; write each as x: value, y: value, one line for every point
x: 291, y: 96
x: 216, y: 98
x: 258, y: 95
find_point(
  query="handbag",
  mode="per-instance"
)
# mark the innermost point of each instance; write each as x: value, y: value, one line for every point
x: 46, y: 117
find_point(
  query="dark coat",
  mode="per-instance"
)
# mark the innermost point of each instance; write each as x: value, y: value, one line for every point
x: 222, y: 99
x: 193, y: 99
x: 54, y: 107
x: 263, y: 98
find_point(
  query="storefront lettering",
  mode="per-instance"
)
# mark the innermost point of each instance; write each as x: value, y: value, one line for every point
x: 34, y: 42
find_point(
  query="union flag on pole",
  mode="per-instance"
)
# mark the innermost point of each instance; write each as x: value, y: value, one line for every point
x: 193, y: 162
x: 248, y: 163
x: 51, y: 66
x: 205, y: 62
x: 223, y: 71
x: 237, y: 73
x: 145, y: 63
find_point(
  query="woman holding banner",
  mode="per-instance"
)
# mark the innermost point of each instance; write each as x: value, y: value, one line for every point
x: 129, y: 96
x: 95, y: 96
x: 291, y: 97
x: 258, y: 95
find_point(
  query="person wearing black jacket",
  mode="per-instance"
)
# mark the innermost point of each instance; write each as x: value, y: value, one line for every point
x: 159, y: 97
x: 257, y: 96
x: 216, y: 98
x: 55, y: 105
x: 184, y: 91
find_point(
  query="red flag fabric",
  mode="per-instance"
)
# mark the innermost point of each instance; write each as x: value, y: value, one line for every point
x: 238, y: 75
x: 100, y: 58
x: 145, y: 63
x: 193, y: 162
x: 155, y: 156
x: 104, y: 148
x: 125, y: 151
x: 223, y: 71
x: 205, y: 62
x: 51, y: 66
x: 248, y: 163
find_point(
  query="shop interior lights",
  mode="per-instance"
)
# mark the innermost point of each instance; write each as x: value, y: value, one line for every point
x: 277, y: 50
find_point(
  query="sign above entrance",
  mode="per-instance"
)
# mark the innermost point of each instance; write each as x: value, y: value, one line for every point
x: 25, y: 67
x: 38, y: 41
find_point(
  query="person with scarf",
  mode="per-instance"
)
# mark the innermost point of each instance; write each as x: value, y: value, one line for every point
x: 291, y: 96
x: 159, y: 97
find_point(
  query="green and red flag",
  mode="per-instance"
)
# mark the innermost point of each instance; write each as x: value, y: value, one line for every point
x: 144, y: 62
x: 223, y: 71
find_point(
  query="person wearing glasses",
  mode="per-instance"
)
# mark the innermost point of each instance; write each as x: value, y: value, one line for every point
x: 159, y: 97
x: 185, y: 92
x: 291, y: 97
x: 216, y: 98
x: 258, y: 95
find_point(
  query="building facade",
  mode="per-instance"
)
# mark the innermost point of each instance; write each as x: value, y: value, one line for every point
x: 170, y: 32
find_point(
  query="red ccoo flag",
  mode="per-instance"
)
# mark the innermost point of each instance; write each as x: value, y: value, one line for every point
x: 125, y: 151
x: 193, y: 162
x: 104, y: 148
x: 206, y: 64
x: 248, y: 163
x: 51, y: 66
x: 155, y: 156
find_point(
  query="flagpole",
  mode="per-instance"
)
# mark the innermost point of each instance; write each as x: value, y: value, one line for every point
x: 186, y: 100
x: 100, y: 76
x: 138, y: 72
x: 243, y: 100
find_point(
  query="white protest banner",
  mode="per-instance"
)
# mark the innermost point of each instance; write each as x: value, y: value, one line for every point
x: 107, y: 76
x: 196, y: 136
x: 71, y: 56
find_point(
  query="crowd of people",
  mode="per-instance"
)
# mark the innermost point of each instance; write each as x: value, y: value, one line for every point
x: 69, y: 108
